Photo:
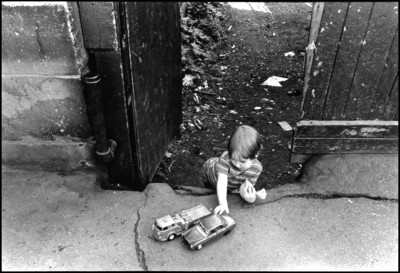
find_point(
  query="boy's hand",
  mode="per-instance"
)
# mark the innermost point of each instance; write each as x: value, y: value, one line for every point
x: 247, y: 192
x: 221, y: 208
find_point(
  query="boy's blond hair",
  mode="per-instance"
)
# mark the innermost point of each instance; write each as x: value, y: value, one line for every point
x: 244, y: 143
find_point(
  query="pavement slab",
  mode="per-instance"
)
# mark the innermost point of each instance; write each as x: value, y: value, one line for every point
x: 328, y: 221
x: 372, y: 175
x: 289, y: 234
x: 66, y: 222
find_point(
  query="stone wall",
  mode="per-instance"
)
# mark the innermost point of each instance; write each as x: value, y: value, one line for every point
x: 43, y: 58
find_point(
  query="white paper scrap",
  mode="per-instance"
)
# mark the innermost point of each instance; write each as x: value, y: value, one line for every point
x: 274, y: 81
x: 290, y: 53
x: 285, y: 126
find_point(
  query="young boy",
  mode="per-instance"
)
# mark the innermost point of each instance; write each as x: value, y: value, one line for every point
x: 236, y: 166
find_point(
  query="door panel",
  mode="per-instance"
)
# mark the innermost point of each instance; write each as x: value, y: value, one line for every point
x: 152, y: 52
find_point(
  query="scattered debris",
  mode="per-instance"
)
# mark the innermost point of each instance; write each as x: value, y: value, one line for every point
x: 274, y: 81
x: 257, y: 108
x: 295, y: 92
x: 188, y: 80
x: 196, y: 98
x: 198, y: 123
x: 285, y: 126
x: 268, y: 100
x: 290, y: 53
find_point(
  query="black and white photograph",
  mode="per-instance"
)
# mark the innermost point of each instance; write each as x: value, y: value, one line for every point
x: 199, y: 136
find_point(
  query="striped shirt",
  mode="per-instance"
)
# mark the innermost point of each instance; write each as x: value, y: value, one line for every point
x: 235, y: 177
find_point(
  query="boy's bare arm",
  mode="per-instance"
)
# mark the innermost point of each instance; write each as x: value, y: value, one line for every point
x: 222, y: 188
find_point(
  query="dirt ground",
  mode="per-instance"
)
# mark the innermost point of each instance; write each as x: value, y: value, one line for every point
x: 252, y: 51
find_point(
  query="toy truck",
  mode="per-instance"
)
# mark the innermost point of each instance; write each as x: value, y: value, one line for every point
x: 168, y: 227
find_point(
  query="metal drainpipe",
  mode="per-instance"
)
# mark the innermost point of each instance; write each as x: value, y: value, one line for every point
x: 92, y: 87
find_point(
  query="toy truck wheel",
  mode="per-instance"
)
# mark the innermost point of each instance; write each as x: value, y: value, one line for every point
x: 199, y: 247
x: 171, y: 237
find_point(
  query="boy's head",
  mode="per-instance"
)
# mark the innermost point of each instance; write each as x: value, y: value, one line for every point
x: 244, y: 143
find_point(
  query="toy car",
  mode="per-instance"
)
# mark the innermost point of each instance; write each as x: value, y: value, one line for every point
x: 208, y: 229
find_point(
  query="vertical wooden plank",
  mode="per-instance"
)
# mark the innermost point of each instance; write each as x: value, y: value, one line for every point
x: 98, y: 25
x: 387, y: 80
x: 375, y: 47
x: 346, y: 60
x: 156, y: 98
x: 393, y: 103
x: 318, y: 8
x: 325, y: 55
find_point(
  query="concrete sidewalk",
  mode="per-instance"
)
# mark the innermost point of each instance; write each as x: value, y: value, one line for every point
x: 342, y: 216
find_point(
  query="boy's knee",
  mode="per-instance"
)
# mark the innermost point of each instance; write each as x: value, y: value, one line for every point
x: 206, y: 182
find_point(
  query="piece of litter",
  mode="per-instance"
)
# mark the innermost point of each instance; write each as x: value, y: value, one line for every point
x: 350, y: 201
x: 198, y: 123
x: 196, y: 98
x: 205, y: 106
x: 188, y: 80
x: 233, y: 112
x: 229, y: 28
x: 224, y: 67
x: 290, y: 53
x: 233, y: 46
x: 274, y: 81
x: 257, y: 108
x: 285, y: 126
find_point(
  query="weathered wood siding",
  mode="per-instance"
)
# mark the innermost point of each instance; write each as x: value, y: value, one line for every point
x: 337, y: 136
x: 354, y: 70
x: 136, y: 46
x: 155, y: 100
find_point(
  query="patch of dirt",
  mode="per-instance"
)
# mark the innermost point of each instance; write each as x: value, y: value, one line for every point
x: 227, y: 92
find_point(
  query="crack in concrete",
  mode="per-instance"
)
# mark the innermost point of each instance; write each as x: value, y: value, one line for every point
x: 139, y: 252
x: 333, y: 196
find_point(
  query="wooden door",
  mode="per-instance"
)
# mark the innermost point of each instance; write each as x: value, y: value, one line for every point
x: 350, y: 98
x: 353, y: 66
x: 151, y: 50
